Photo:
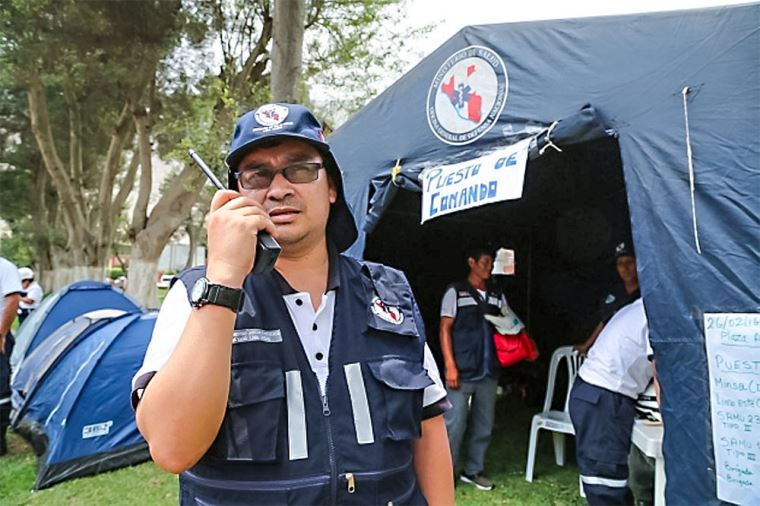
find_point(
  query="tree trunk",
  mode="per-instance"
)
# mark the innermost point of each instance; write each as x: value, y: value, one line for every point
x: 192, y: 234
x: 143, y: 271
x: 80, y: 239
x: 169, y: 213
x: 287, y: 49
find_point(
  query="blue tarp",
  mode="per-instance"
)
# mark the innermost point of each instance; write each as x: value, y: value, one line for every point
x: 62, y: 306
x: 71, y: 398
x: 641, y: 74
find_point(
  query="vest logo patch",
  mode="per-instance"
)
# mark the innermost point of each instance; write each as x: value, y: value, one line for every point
x: 610, y: 299
x: 251, y: 335
x: 391, y: 314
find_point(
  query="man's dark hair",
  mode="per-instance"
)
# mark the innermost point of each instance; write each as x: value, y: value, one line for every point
x: 475, y: 252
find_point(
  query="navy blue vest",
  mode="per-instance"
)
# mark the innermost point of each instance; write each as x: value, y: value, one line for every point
x: 472, y: 335
x: 278, y: 447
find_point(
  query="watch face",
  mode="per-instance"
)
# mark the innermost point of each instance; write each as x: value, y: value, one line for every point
x: 199, y: 290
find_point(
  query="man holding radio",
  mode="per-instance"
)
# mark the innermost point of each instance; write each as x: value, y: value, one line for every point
x: 311, y: 384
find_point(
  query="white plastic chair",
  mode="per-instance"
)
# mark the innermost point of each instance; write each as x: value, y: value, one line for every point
x: 556, y: 421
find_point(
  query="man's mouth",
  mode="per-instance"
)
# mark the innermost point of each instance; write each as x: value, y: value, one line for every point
x: 282, y: 215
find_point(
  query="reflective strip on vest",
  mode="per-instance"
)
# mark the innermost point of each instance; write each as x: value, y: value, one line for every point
x: 466, y: 301
x: 297, y: 444
x: 359, y: 403
x: 607, y: 482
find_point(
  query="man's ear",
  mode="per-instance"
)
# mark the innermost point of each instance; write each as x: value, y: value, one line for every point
x: 332, y: 191
x: 471, y: 262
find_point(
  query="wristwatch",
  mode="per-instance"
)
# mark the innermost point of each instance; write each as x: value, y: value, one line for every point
x: 204, y: 292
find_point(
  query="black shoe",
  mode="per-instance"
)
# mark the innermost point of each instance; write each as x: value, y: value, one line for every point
x: 477, y: 480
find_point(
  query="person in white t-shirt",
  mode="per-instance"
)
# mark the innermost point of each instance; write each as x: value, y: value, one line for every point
x: 10, y: 293
x: 602, y: 404
x: 32, y: 296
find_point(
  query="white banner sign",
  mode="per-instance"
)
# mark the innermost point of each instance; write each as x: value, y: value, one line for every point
x: 492, y: 178
x: 733, y: 359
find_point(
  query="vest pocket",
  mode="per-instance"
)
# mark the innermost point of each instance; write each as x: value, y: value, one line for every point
x: 250, y: 427
x: 402, y: 383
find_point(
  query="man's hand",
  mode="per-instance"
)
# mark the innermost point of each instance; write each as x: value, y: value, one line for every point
x: 233, y: 227
x: 452, y: 377
x: 2, y: 344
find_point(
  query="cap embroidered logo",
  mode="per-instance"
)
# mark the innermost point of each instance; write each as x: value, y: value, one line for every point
x: 271, y: 114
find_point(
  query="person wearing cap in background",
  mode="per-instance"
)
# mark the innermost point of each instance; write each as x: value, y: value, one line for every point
x: 10, y: 294
x: 30, y: 299
x: 471, y: 367
x: 311, y: 384
x: 622, y: 293
x: 602, y: 404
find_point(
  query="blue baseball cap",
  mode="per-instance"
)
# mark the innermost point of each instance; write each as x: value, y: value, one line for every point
x: 293, y: 121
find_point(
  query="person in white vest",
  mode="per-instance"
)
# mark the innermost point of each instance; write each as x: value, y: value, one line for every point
x: 31, y: 296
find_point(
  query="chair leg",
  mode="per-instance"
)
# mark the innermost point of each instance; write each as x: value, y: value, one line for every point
x: 531, y: 451
x: 559, y: 448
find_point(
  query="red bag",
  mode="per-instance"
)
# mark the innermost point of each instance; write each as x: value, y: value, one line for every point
x: 513, y: 349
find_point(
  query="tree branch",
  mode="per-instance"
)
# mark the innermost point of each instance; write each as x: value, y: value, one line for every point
x: 125, y: 188
x: 111, y: 168
x: 38, y: 112
x: 140, y: 215
x: 243, y: 77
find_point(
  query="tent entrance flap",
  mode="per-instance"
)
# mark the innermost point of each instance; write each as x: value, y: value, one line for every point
x: 564, y: 229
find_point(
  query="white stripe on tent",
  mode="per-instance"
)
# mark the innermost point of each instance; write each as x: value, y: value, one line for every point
x: 607, y: 482
x: 73, y: 380
x: 298, y: 447
x: 359, y: 403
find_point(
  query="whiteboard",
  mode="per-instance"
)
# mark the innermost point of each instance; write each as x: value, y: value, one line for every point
x: 733, y: 359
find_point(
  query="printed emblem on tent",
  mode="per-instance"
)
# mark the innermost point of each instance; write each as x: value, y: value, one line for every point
x: 391, y: 314
x: 467, y: 95
x: 96, y: 429
x: 271, y: 114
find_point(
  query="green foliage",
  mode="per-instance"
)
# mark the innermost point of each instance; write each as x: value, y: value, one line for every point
x: 17, y: 248
x: 352, y: 47
x: 115, y: 272
x: 196, y: 64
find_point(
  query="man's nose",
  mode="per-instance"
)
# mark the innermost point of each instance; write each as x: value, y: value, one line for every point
x: 280, y: 187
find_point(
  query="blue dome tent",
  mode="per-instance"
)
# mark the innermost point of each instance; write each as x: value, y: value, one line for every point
x: 71, y: 399
x: 58, y: 308
x: 642, y: 127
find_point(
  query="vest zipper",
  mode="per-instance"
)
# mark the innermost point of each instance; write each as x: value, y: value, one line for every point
x: 331, y: 451
x: 351, y: 483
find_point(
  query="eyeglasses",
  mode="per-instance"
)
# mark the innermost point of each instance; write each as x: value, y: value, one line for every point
x: 261, y: 179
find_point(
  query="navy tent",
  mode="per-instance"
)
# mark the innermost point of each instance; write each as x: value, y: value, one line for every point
x: 657, y: 117
x: 71, y: 397
x: 63, y: 305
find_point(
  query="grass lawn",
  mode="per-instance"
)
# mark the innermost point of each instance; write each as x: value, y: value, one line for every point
x: 145, y: 484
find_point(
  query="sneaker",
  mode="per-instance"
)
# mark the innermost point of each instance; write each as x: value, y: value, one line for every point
x: 477, y: 480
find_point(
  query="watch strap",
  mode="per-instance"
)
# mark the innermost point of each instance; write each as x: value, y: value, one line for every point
x: 220, y: 295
